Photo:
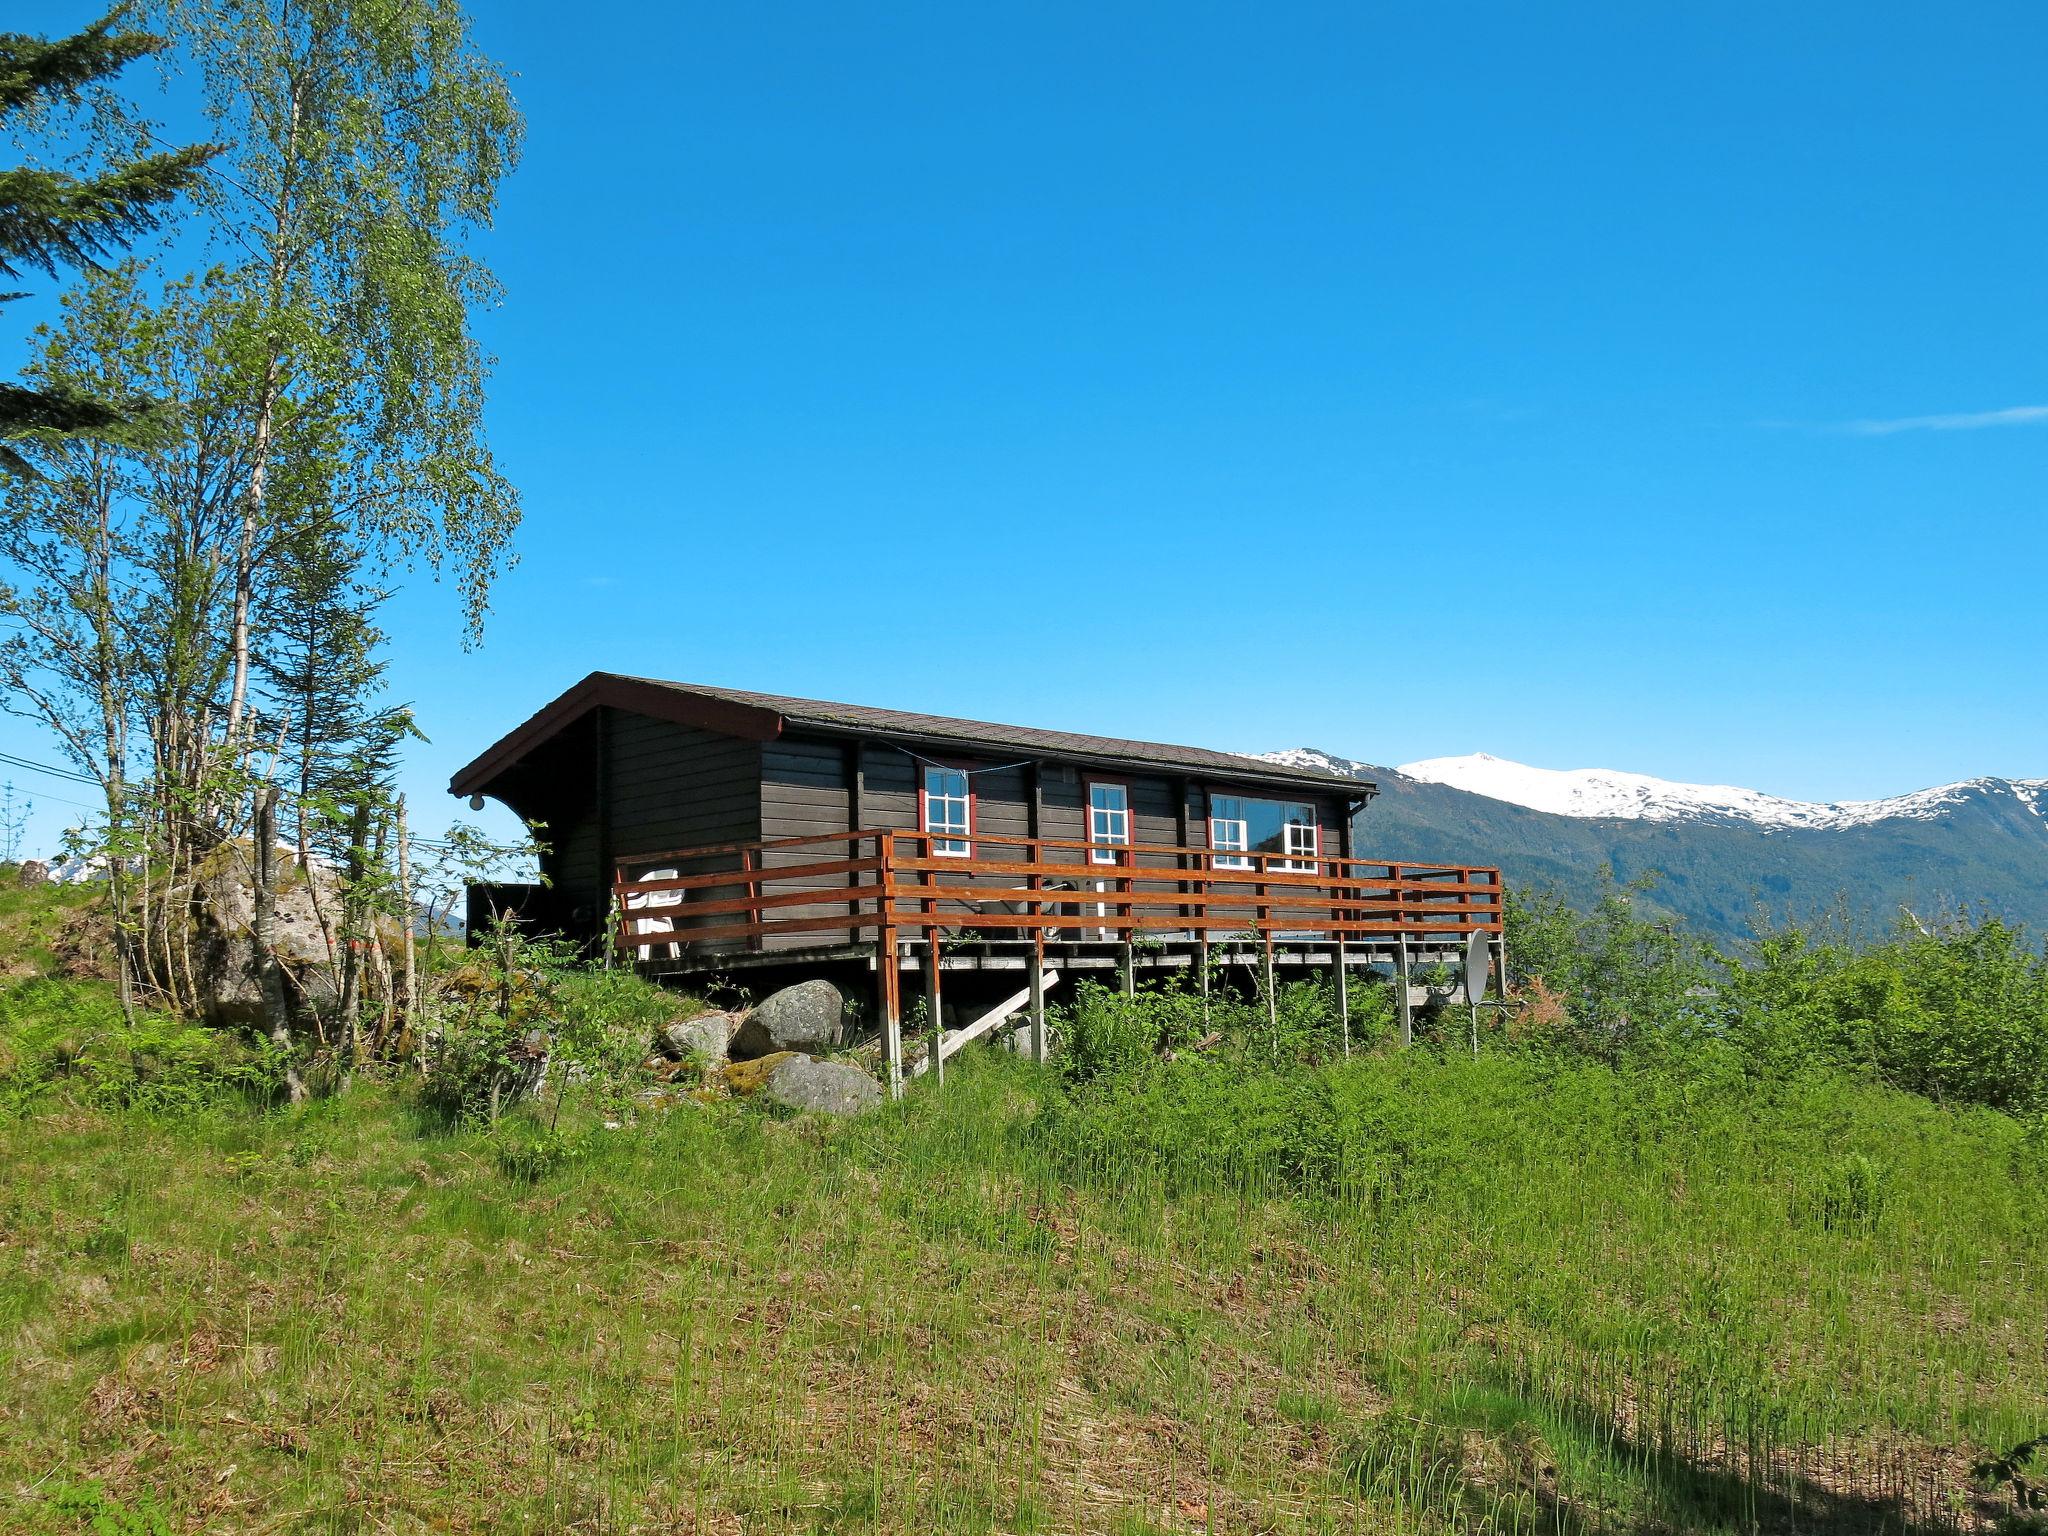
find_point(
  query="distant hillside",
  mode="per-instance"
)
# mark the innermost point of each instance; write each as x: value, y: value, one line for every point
x: 1722, y: 856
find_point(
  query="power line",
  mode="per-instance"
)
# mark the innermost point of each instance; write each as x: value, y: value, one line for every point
x: 56, y: 773
x: 60, y: 800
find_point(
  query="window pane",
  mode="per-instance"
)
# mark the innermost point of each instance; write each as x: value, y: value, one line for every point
x: 946, y: 809
x: 1286, y: 829
x: 1263, y: 821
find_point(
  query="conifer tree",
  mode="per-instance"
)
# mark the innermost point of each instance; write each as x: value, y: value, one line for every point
x: 51, y: 219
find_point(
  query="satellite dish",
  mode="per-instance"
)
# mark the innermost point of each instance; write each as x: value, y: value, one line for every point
x: 1478, y: 965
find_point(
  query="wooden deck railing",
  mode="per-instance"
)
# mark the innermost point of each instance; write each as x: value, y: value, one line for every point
x: 870, y: 886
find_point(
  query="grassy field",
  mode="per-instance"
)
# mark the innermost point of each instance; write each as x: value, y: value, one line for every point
x: 1407, y: 1292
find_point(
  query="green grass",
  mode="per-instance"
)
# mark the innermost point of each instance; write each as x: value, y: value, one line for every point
x: 1509, y: 1298
x: 1408, y: 1292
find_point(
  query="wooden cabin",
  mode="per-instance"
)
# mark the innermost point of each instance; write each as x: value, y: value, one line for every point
x: 711, y: 830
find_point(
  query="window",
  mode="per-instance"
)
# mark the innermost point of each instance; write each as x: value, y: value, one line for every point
x: 1109, y: 821
x: 948, y: 811
x: 1240, y: 826
x: 1300, y: 836
x: 1227, y: 832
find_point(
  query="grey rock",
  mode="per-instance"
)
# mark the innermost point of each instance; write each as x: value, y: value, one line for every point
x: 809, y: 1016
x: 822, y: 1087
x: 227, y: 961
x: 33, y: 872
x: 706, y: 1037
x: 1019, y: 1041
x: 660, y: 1101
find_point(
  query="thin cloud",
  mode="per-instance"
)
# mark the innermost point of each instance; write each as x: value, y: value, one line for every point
x: 1961, y: 421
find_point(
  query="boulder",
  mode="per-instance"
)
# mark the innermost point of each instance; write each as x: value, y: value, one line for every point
x: 660, y: 1100
x: 705, y: 1036
x: 1019, y: 1041
x: 227, y: 963
x: 746, y: 1078
x: 33, y: 872
x: 809, y: 1016
x: 822, y: 1087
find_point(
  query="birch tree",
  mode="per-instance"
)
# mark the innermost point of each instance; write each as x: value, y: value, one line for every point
x: 323, y: 431
x: 363, y: 139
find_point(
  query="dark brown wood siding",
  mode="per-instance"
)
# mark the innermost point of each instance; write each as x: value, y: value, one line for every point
x: 614, y: 785
x: 674, y: 786
x: 805, y: 793
x: 668, y: 786
x: 557, y: 786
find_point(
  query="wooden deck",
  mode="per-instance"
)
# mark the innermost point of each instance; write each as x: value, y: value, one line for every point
x: 900, y: 900
x: 879, y: 887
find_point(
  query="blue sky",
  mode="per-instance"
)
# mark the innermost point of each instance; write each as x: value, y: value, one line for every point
x: 1595, y: 386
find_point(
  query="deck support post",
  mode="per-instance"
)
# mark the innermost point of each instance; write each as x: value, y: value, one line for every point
x: 1202, y: 959
x: 1401, y: 1009
x: 1343, y: 995
x: 1128, y: 962
x: 892, y: 1011
x: 937, y: 1061
x: 1038, y: 1041
x: 1272, y: 998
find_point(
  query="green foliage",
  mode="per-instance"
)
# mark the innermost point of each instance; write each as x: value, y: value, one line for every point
x: 1403, y: 1292
x: 1633, y: 982
x: 1650, y: 1284
x: 1853, y: 1191
x: 68, y: 1040
x: 1104, y: 1032
x: 1958, y: 1013
x: 531, y: 1014
x: 527, y: 1153
x: 92, y: 1508
x: 49, y: 218
x: 358, y: 289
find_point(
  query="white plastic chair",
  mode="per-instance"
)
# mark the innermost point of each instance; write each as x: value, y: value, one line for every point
x: 641, y: 900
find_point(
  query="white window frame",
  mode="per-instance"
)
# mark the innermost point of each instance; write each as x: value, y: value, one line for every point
x: 1301, y: 837
x: 1109, y: 827
x: 1229, y: 836
x: 947, y: 817
x: 1301, y: 850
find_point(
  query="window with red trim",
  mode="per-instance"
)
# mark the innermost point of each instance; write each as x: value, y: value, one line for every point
x: 1109, y: 822
x: 1240, y: 826
x: 948, y: 811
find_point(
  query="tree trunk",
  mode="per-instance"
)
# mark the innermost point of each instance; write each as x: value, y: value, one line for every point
x: 253, y: 501
x: 409, y: 980
x: 352, y: 929
x: 262, y: 907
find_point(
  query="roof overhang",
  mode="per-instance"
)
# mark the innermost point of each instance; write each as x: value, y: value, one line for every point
x: 608, y: 689
x: 730, y: 717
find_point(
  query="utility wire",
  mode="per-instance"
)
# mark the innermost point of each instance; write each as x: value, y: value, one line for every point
x: 56, y: 773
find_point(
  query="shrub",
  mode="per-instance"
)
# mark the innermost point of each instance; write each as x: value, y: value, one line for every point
x: 1629, y: 983
x: 522, y: 1012
x: 69, y: 1038
x: 527, y: 1153
x: 1958, y: 1014
x: 1105, y: 1033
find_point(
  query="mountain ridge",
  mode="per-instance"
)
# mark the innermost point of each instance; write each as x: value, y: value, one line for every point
x: 1981, y: 843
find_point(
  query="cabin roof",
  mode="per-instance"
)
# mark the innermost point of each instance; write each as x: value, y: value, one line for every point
x: 765, y: 716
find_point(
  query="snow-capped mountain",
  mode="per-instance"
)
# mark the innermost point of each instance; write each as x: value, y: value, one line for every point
x: 1608, y: 792
x: 1719, y: 854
